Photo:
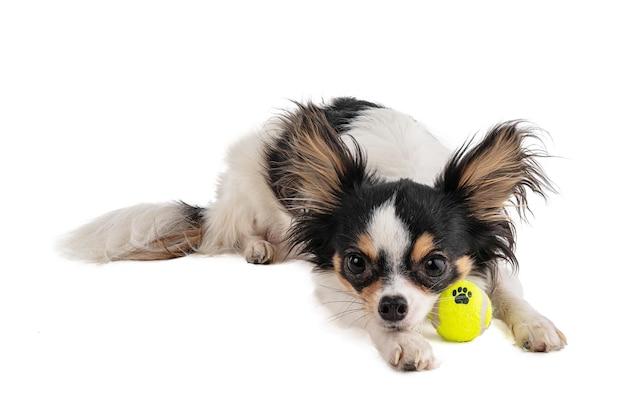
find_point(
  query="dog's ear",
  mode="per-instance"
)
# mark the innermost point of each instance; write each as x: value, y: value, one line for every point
x: 497, y: 171
x: 310, y: 167
x: 492, y: 175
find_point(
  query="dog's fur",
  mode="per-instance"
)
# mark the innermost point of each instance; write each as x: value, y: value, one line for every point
x: 388, y: 216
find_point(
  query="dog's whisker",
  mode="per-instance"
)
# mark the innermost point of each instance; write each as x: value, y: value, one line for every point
x: 368, y: 321
x: 348, y: 303
x: 343, y: 313
x: 354, y: 322
x: 361, y: 314
x: 338, y: 290
x: 353, y: 302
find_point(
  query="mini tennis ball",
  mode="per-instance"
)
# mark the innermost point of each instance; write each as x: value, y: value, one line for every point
x: 462, y: 312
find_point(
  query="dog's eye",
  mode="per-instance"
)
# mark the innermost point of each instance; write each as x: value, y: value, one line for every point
x: 435, y: 266
x: 356, y: 263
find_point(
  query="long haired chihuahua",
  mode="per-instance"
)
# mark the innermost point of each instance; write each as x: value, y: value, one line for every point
x: 383, y: 210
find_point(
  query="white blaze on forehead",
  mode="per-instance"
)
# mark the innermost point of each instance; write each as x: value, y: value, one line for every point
x: 389, y: 234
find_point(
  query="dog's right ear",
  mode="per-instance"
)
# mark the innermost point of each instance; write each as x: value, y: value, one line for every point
x: 309, y: 166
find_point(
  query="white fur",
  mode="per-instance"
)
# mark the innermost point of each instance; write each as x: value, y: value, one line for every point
x: 397, y: 146
x: 246, y: 211
x: 116, y: 233
x: 388, y: 232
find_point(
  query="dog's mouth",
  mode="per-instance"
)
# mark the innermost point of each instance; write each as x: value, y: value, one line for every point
x: 395, y: 326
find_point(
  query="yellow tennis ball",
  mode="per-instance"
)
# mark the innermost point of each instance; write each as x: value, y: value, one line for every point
x: 462, y: 312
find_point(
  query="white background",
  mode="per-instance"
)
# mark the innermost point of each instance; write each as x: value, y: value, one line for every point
x: 107, y: 104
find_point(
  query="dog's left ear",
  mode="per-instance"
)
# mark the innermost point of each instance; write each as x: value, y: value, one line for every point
x: 498, y: 170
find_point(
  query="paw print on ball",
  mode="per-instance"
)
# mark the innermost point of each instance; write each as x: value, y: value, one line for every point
x: 461, y: 295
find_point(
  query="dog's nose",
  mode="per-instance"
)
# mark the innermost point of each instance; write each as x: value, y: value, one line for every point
x: 393, y: 308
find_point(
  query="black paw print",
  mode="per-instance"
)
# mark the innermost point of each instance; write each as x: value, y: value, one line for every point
x: 461, y: 295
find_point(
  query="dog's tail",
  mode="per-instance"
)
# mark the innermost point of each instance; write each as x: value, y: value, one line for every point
x: 140, y: 232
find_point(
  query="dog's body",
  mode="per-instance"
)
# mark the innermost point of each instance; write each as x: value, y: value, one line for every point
x: 386, y: 213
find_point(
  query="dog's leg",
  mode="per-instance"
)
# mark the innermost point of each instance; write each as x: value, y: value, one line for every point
x: 531, y: 330
x: 259, y: 251
x: 245, y: 218
x: 234, y: 228
x: 405, y: 350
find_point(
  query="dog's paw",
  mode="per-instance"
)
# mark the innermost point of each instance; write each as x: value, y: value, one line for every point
x: 259, y: 252
x: 538, y: 334
x: 408, y: 351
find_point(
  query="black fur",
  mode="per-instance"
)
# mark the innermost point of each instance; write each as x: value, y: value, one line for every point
x: 421, y: 208
x: 193, y: 214
x: 343, y: 110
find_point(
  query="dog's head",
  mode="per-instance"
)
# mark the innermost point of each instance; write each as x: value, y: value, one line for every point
x: 397, y: 245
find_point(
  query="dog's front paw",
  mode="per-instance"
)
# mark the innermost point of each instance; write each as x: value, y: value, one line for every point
x: 407, y: 351
x: 538, y: 334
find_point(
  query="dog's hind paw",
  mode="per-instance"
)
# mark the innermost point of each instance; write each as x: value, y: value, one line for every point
x: 259, y: 252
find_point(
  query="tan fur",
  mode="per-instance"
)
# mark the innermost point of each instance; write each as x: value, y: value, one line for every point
x: 370, y: 295
x: 493, y: 177
x: 501, y: 169
x: 366, y: 246
x: 337, y: 266
x: 423, y: 246
x: 310, y: 179
x: 464, y: 265
x: 169, y: 246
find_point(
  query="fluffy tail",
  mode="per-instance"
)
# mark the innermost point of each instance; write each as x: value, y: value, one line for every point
x: 141, y: 232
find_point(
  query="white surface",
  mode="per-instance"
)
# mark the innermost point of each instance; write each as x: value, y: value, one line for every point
x: 104, y: 106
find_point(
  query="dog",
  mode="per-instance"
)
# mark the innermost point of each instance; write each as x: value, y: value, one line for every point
x: 387, y: 215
